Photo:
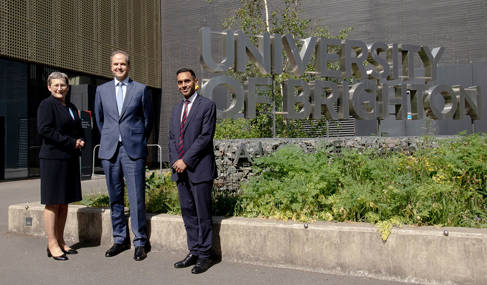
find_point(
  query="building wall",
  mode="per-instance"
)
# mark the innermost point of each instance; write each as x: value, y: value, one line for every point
x: 81, y: 34
x: 75, y: 37
x: 14, y: 110
x: 458, y: 26
x: 181, y: 21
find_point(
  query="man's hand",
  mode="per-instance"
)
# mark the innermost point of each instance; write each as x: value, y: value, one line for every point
x: 79, y: 144
x: 179, y: 166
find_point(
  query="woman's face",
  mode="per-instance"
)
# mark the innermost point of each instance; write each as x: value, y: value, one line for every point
x: 59, y: 88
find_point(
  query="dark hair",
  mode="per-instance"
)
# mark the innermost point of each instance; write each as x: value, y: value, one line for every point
x: 120, y: 52
x: 184, y: 69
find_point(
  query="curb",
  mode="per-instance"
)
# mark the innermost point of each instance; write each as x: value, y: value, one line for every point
x: 418, y: 255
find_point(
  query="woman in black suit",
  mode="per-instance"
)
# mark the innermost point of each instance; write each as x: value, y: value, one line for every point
x: 59, y: 125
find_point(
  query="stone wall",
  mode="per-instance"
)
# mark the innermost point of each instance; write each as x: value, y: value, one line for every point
x: 234, y: 157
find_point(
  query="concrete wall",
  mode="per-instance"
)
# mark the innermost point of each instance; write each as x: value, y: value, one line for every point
x: 427, y: 255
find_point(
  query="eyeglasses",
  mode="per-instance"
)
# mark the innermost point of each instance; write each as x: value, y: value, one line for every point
x: 59, y: 86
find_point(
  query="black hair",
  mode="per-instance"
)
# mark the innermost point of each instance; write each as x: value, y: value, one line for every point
x: 184, y: 69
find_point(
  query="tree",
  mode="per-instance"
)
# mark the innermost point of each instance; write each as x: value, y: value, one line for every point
x: 253, y: 18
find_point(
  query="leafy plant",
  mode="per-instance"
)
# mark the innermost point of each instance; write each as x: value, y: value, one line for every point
x: 444, y: 185
x: 161, y: 194
x: 162, y: 197
x: 96, y: 200
x: 236, y: 129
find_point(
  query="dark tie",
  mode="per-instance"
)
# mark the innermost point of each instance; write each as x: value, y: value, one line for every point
x: 181, y: 129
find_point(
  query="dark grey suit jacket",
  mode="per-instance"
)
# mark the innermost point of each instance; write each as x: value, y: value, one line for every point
x: 197, y: 140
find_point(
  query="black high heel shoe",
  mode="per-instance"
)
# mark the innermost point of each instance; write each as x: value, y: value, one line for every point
x: 61, y: 257
x: 70, y: 251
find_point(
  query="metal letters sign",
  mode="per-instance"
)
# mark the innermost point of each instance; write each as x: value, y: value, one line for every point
x: 371, y: 78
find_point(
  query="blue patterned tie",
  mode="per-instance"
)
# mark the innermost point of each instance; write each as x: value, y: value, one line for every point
x: 120, y: 97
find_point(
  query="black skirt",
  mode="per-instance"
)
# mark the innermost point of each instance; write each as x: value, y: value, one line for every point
x: 60, y: 181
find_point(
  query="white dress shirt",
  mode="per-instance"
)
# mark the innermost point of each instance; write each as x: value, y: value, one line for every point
x: 191, y: 100
x: 124, y: 86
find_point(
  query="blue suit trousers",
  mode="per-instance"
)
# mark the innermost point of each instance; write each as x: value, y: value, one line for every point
x: 116, y: 168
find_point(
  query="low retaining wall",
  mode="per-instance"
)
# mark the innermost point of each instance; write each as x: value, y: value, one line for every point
x: 423, y: 255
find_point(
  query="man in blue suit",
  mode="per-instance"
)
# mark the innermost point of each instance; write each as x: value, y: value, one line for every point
x: 123, y: 112
x: 191, y: 131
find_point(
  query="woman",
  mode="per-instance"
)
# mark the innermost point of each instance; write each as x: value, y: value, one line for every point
x: 59, y: 125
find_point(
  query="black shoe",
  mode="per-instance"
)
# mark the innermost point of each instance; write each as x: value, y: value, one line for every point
x: 139, y: 253
x: 202, y: 265
x: 147, y: 247
x: 189, y: 260
x: 116, y: 249
x: 70, y: 251
x: 61, y: 257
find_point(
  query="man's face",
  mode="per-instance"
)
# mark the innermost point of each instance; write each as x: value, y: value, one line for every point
x: 120, y: 66
x: 186, y: 84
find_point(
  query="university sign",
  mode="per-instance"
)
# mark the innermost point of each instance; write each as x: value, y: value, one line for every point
x: 370, y: 79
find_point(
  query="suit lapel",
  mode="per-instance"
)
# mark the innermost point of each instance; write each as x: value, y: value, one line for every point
x: 129, y: 95
x: 111, y: 100
x: 177, y: 121
x: 194, y: 109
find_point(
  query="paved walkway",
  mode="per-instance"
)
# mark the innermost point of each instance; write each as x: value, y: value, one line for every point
x: 24, y: 259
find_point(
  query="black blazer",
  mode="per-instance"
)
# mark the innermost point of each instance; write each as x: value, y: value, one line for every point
x: 58, y: 130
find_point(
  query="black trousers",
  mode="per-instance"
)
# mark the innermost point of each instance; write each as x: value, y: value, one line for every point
x: 195, y: 200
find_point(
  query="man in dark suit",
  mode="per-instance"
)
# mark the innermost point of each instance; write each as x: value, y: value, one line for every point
x: 123, y: 111
x: 191, y: 132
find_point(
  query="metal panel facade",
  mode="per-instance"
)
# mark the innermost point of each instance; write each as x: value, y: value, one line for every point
x: 80, y: 35
x: 458, y: 25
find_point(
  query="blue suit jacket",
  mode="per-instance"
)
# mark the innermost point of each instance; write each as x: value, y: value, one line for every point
x: 133, y: 125
x: 197, y: 140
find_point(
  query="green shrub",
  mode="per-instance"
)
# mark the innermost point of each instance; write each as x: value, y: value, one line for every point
x: 96, y: 200
x: 290, y: 185
x: 223, y: 203
x: 162, y: 197
x: 236, y: 129
x: 161, y: 194
x: 445, y: 185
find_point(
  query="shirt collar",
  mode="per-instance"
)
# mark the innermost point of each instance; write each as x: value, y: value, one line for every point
x: 125, y: 81
x: 191, y: 99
